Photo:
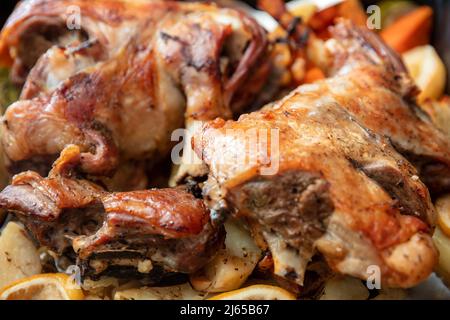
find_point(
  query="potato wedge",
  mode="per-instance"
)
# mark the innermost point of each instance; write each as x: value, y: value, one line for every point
x: 256, y: 292
x: 102, y: 287
x: 317, y: 53
x: 19, y: 257
x: 344, y: 288
x: 232, y: 265
x: 428, y: 71
x: 443, y: 214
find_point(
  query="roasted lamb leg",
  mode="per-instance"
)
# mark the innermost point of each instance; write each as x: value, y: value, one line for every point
x: 371, y: 82
x: 311, y: 178
x: 122, y: 83
x: 148, y: 234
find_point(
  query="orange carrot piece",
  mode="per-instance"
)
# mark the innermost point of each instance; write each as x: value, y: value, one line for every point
x: 409, y: 31
x: 353, y: 10
x: 313, y: 75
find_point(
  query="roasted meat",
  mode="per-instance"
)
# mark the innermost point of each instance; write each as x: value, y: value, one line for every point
x: 126, y: 79
x: 142, y: 233
x: 311, y: 178
x: 371, y: 82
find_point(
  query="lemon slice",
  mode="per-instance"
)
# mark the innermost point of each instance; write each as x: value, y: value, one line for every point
x: 443, y: 214
x: 256, y: 292
x: 52, y: 286
x: 427, y: 70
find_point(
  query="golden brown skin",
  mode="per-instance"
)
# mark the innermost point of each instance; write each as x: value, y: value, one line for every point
x: 170, y: 228
x: 121, y: 85
x: 339, y: 189
x: 371, y: 82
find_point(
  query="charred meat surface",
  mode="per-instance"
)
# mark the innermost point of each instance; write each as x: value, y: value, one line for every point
x: 126, y: 233
x: 311, y: 177
x: 122, y: 84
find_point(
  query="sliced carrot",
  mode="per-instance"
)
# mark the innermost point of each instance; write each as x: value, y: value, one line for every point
x: 409, y: 31
x: 313, y: 75
x: 322, y: 19
x: 353, y: 10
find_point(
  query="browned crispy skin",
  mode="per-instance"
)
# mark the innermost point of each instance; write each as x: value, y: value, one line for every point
x: 122, y: 84
x: 371, y: 82
x: 170, y: 228
x: 340, y: 189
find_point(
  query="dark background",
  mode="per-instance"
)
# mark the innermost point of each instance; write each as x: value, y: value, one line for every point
x: 441, y: 29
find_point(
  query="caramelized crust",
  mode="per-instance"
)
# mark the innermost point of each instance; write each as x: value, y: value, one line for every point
x: 122, y: 84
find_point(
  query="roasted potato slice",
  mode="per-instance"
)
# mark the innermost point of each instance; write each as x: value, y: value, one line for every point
x: 232, y: 266
x: 442, y: 242
x: 19, y: 258
x: 344, y: 288
x: 428, y: 71
x: 443, y: 214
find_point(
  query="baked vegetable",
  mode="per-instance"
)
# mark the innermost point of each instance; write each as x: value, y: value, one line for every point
x: 18, y: 256
x: 409, y: 31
